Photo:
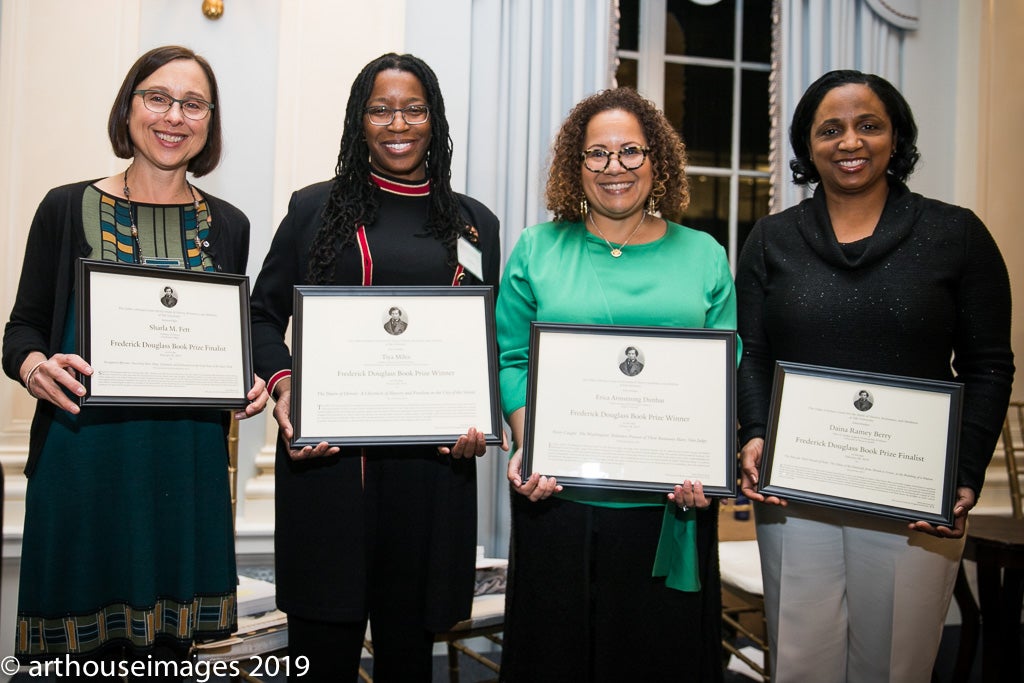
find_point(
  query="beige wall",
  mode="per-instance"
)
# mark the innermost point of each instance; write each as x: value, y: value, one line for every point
x: 1000, y: 197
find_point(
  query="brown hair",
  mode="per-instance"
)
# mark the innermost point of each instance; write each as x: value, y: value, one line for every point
x: 117, y: 124
x: 667, y: 155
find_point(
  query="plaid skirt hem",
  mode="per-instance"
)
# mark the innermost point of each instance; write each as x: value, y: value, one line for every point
x: 205, y: 617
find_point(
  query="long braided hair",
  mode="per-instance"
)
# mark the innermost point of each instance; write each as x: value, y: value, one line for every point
x: 353, y: 198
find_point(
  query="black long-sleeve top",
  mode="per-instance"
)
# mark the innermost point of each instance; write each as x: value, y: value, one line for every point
x: 929, y: 286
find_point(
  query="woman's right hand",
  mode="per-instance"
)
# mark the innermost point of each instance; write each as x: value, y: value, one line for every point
x: 536, y: 487
x: 47, y: 378
x: 750, y: 464
x: 282, y: 413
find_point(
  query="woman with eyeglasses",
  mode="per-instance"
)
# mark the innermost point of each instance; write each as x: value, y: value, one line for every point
x: 383, y: 533
x: 128, y: 549
x: 610, y: 586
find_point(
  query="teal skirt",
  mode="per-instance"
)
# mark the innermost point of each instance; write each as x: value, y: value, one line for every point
x: 128, y: 535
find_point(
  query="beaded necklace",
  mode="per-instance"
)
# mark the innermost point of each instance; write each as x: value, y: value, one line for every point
x: 137, y: 246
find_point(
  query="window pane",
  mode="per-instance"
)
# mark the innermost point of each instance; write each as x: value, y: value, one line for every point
x: 709, y: 207
x: 629, y: 24
x: 700, y: 30
x: 698, y: 102
x: 753, y: 204
x: 755, y: 122
x: 625, y: 75
x: 757, y: 31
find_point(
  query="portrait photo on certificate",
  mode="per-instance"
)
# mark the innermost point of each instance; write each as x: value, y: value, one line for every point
x: 639, y: 408
x: 393, y: 365
x: 880, y: 444
x: 156, y: 336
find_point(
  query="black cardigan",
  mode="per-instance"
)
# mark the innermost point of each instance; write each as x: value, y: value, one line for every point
x: 56, y: 239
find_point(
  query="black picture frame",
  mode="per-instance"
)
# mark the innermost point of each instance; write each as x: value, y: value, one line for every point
x: 575, y: 368
x: 847, y: 441
x: 195, y: 352
x: 458, y: 342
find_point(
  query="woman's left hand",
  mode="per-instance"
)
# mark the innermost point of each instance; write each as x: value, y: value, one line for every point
x: 965, y: 500
x: 258, y: 398
x: 689, y: 495
x: 471, y: 445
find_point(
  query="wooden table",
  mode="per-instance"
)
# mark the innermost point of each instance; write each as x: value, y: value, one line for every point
x: 996, y: 544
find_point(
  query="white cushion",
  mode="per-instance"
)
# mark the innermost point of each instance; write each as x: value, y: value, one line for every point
x: 740, y: 565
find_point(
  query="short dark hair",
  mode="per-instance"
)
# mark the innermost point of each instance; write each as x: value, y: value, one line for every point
x: 393, y: 309
x: 667, y: 155
x: 117, y: 124
x: 905, y: 154
x: 633, y: 349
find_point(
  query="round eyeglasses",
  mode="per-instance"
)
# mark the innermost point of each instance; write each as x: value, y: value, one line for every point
x: 630, y: 158
x: 158, y: 102
x: 414, y: 114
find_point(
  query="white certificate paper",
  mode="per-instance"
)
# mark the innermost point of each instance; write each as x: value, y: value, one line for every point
x: 875, y: 443
x: 632, y: 408
x: 163, y: 337
x: 393, y: 365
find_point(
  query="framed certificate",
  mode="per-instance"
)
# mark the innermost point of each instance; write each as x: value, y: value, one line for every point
x: 156, y: 336
x: 393, y: 365
x: 640, y: 408
x: 874, y: 443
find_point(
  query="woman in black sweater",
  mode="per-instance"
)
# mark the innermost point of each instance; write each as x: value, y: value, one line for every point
x: 386, y: 533
x: 868, y: 276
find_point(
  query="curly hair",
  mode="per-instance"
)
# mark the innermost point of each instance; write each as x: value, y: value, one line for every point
x: 353, y: 199
x: 143, y: 68
x: 667, y: 155
x: 905, y: 154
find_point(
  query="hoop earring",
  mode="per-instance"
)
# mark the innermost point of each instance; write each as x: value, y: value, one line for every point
x: 584, y: 208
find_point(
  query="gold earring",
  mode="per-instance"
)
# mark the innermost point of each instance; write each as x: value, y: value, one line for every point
x: 652, y: 206
x: 584, y: 208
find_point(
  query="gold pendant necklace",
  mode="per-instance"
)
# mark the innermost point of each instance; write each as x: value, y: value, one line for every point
x: 616, y: 252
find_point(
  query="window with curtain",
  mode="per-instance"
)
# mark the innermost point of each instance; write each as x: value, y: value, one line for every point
x: 707, y: 63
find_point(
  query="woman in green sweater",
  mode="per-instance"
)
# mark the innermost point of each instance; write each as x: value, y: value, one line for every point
x: 611, y: 585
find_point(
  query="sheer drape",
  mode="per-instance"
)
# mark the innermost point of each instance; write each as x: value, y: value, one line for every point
x: 816, y: 36
x: 532, y: 60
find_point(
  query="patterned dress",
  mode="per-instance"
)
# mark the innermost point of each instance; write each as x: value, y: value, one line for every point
x: 128, y: 532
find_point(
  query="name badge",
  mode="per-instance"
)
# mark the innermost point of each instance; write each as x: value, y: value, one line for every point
x: 471, y: 258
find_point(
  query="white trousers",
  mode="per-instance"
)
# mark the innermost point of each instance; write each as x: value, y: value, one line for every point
x: 852, y: 598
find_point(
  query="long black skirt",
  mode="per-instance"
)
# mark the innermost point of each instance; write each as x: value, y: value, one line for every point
x: 582, y: 604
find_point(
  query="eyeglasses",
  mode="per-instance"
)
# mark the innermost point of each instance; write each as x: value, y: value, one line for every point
x: 158, y: 102
x: 414, y: 114
x: 630, y: 158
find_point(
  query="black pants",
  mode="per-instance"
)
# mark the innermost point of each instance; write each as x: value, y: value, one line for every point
x: 402, y: 651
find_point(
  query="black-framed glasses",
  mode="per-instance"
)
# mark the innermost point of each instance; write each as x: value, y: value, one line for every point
x: 158, y: 102
x: 630, y: 158
x: 414, y: 114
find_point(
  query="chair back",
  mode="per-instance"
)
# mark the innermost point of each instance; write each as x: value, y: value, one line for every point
x: 233, y: 466
x: 1013, y: 451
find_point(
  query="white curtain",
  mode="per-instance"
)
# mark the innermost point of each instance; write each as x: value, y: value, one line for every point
x: 813, y: 37
x: 532, y: 60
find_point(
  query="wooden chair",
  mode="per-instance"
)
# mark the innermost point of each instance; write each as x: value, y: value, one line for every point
x: 487, y: 620
x: 996, y: 544
x: 233, y: 467
x: 742, y: 589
